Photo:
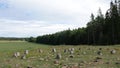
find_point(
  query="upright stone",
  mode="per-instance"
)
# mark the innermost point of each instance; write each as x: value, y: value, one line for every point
x: 23, y: 57
x: 54, y: 50
x: 26, y: 52
x: 65, y: 50
x: 58, y: 56
x: 113, y: 51
x: 15, y: 55
x: 18, y: 54
x: 71, y: 52
x: 72, y: 49
x: 99, y: 53
x: 100, y: 48
x: 40, y: 51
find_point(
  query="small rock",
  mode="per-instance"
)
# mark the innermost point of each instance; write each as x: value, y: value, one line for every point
x: 118, y: 58
x: 79, y: 48
x: 107, y: 63
x: 72, y: 49
x: 64, y: 67
x: 84, y: 53
x: 72, y: 67
x: 40, y: 51
x: 69, y: 49
x: 29, y: 67
x: 66, y: 59
x: 71, y: 56
x: 99, y: 53
x: 23, y: 57
x: 41, y: 59
x: 16, y: 65
x: 98, y: 58
x: 56, y: 62
x: 71, y: 52
x: 54, y: 50
x: 83, y: 61
x: 58, y: 56
x: 17, y: 54
x: 26, y: 52
x: 113, y: 51
x: 65, y: 50
x: 100, y: 48
x: 88, y: 49
x: 117, y: 63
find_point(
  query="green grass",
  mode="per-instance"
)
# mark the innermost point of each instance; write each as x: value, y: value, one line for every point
x: 81, y: 60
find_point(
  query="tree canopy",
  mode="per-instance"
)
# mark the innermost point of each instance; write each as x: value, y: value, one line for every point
x: 103, y: 29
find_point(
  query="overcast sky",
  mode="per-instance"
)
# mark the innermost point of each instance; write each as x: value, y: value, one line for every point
x: 25, y: 18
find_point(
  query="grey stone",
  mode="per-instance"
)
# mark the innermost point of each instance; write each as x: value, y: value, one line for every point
x: 40, y: 51
x: 54, y: 50
x: 23, y: 57
x: 71, y: 52
x: 26, y: 52
x: 58, y: 56
x: 17, y: 54
x: 99, y: 53
x: 71, y: 56
x: 113, y: 51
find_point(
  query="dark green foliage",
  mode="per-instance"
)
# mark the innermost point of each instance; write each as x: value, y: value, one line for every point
x: 102, y: 29
x: 12, y: 39
x: 31, y: 39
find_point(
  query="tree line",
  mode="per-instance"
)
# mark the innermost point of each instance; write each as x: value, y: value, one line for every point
x: 103, y: 29
x: 12, y: 39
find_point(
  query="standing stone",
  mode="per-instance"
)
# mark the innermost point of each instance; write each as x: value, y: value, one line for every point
x: 69, y: 49
x: 40, y: 51
x: 26, y: 52
x: 79, y: 48
x: 99, y: 53
x: 15, y: 55
x: 71, y: 56
x: 71, y: 52
x: 72, y: 49
x: 113, y: 51
x: 23, y: 57
x: 54, y: 50
x: 65, y: 50
x: 100, y: 48
x: 58, y: 56
x: 18, y: 53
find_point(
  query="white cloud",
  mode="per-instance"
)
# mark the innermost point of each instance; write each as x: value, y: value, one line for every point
x: 30, y: 28
x: 38, y: 17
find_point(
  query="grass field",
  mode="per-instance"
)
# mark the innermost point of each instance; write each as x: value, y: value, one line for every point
x: 83, y: 57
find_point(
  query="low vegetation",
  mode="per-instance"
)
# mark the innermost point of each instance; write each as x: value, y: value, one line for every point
x: 44, y: 56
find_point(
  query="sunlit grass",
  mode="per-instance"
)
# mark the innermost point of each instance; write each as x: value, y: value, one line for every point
x: 7, y: 49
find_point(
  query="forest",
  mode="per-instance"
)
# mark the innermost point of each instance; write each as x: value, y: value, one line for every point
x: 12, y: 39
x: 103, y: 29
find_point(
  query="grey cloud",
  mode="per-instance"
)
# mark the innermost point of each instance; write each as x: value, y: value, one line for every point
x: 37, y: 17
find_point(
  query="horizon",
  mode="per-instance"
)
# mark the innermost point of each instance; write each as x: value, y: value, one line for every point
x: 36, y: 17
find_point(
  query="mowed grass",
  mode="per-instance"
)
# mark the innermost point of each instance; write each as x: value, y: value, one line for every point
x: 83, y: 57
